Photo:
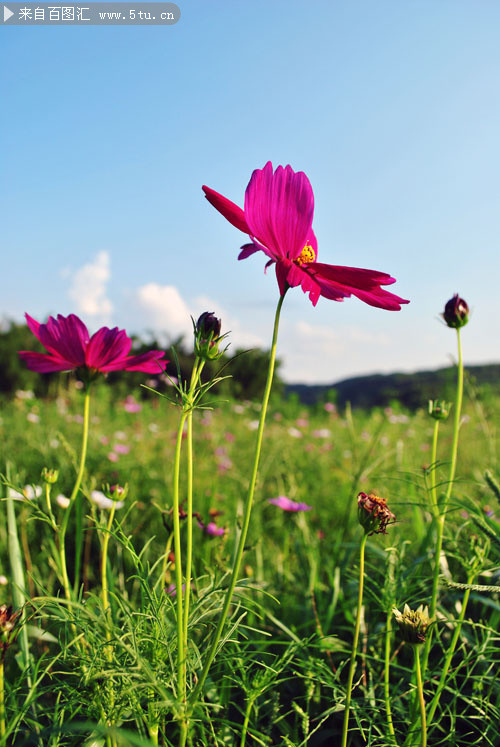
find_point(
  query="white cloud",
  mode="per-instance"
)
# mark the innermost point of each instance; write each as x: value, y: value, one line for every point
x: 89, y: 285
x: 162, y: 309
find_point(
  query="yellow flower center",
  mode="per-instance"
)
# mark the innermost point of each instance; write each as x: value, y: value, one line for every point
x: 307, y: 255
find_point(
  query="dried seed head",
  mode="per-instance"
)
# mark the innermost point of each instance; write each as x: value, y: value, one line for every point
x: 8, y: 627
x: 373, y: 513
x: 413, y: 624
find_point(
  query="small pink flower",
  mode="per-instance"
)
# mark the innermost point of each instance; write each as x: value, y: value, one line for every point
x: 330, y: 407
x: 302, y: 422
x: 229, y: 437
x: 288, y: 505
x: 211, y: 528
x: 121, y: 449
x: 104, y: 440
x: 113, y: 457
x: 130, y: 405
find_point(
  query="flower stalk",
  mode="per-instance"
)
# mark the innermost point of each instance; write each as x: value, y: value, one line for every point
x: 352, y: 665
x: 246, y: 512
x: 73, y: 498
x: 441, y: 510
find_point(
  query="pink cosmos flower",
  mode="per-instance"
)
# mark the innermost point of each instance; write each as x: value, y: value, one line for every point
x: 288, y: 505
x: 278, y: 217
x: 211, y: 528
x: 131, y: 405
x: 70, y: 346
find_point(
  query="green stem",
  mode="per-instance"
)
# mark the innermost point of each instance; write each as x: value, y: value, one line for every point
x: 435, y: 435
x: 244, y: 728
x: 49, y: 507
x: 74, y: 494
x: 451, y: 650
x: 352, y: 665
x: 181, y: 661
x: 387, y: 664
x: 246, y: 512
x: 2, y: 701
x: 104, y: 577
x: 197, y: 369
x: 420, y: 690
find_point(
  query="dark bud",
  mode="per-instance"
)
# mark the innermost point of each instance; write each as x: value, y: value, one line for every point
x: 208, y: 324
x: 207, y: 336
x: 456, y: 312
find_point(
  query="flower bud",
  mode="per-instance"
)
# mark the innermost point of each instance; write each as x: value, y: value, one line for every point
x: 373, y: 513
x: 413, y: 624
x: 116, y: 493
x: 207, y: 336
x: 208, y: 324
x: 439, y: 409
x: 50, y: 475
x: 456, y: 312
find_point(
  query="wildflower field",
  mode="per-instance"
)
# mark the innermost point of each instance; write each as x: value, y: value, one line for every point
x: 184, y: 569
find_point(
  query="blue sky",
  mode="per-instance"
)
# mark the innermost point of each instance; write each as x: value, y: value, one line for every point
x: 391, y: 108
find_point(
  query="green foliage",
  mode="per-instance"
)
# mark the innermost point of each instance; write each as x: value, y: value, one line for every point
x: 283, y: 667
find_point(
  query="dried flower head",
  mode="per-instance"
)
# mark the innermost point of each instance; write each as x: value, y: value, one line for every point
x: 373, y: 513
x: 456, y: 312
x: 8, y: 628
x: 413, y: 624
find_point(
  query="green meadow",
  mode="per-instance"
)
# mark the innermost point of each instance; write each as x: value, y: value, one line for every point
x: 82, y: 671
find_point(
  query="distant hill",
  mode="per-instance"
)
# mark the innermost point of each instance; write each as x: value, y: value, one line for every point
x: 411, y: 390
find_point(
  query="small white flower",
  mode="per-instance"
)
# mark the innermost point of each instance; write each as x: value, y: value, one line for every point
x: 24, y: 394
x: 62, y: 501
x: 16, y: 495
x: 102, y: 501
x: 32, y: 417
x: 31, y: 492
x: 53, y: 443
x: 4, y: 580
x: 253, y: 425
x: 294, y: 432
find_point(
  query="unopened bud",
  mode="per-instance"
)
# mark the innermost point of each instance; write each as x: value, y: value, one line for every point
x: 456, y: 312
x: 439, y: 409
x: 373, y: 513
x: 207, y: 336
x: 413, y: 624
x: 116, y: 492
x: 50, y: 475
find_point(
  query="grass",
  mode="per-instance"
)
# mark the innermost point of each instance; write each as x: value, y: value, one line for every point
x: 280, y: 674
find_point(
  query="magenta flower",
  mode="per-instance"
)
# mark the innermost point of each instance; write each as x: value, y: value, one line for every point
x: 211, y: 528
x: 288, y: 505
x: 69, y: 346
x: 278, y: 218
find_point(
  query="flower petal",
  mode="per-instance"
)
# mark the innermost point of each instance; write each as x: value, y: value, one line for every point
x: 247, y: 250
x: 337, y: 282
x: 151, y: 362
x: 67, y: 337
x: 107, y: 346
x: 43, y: 363
x: 282, y: 270
x: 228, y: 209
x: 279, y: 209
